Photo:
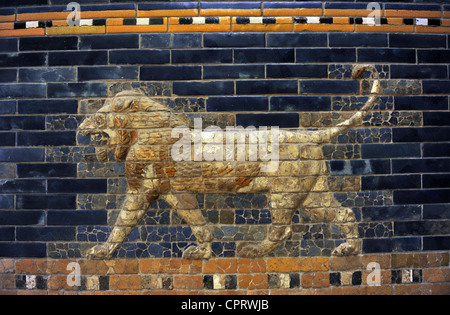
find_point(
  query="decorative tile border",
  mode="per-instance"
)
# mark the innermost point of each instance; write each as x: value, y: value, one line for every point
x: 225, y: 17
x: 417, y: 273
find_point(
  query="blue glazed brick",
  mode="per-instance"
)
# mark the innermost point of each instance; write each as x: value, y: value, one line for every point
x: 436, y: 212
x: 421, y: 102
x: 202, y: 56
x: 169, y: 234
x: 39, y: 234
x: 48, y: 43
x: 50, y: 138
x: 77, y: 217
x: 171, y: 40
x: 433, y: 56
x: 300, y: 103
x: 390, y: 182
x: 436, y: 118
x: 7, y: 234
x: 23, y: 250
x: 46, y: 170
x: 22, y: 186
x: 223, y: 249
x: 7, y: 107
x: 139, y: 57
x: 297, y: 40
x: 297, y: 71
x: 17, y: 217
x: 7, y: 139
x: 410, y: 212
x: 425, y: 134
x: 22, y: 91
x: 387, y: 55
x: 253, y: 216
x: 93, y: 233
x: 234, y: 72
x: 418, y: 72
x: 22, y: 123
x: 23, y: 60
x: 420, y: 165
x: 47, y: 106
x: 230, y: 5
x: 215, y: 40
x: 329, y: 87
x: 169, y: 73
x: 325, y: 55
x: 436, y: 243
x: 266, y: 87
x: 387, y: 245
x: 8, y: 44
x: 47, y: 75
x: 436, y: 150
x: 22, y: 155
x: 436, y: 180
x: 389, y: 150
x: 9, y: 11
x: 345, y: 5
x: 8, y: 170
x: 239, y: 103
x: 46, y: 202
x: 423, y: 196
x: 56, y: 90
x: 417, y: 41
x: 6, y: 201
x: 73, y: 58
x: 109, y: 41
x: 167, y: 6
x: 282, y: 120
x: 410, y: 6
x: 358, y: 40
x: 360, y: 167
x: 107, y: 73
x: 292, y: 5
x: 8, y: 75
x: 105, y: 7
x: 203, y: 88
x: 80, y: 186
x: 261, y: 55
x: 436, y: 87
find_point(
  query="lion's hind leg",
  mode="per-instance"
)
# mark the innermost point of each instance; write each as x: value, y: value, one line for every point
x: 282, y: 208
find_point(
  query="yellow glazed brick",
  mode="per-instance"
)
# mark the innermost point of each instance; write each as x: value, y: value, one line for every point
x: 69, y: 30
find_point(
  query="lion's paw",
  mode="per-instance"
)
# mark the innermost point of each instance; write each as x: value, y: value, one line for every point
x: 99, y: 252
x: 202, y: 251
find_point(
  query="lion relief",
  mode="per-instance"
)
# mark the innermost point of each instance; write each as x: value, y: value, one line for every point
x: 139, y: 131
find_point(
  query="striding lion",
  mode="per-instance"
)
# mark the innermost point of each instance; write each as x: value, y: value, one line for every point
x: 139, y: 131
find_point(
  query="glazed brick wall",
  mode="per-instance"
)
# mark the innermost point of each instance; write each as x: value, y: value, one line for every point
x: 394, y: 171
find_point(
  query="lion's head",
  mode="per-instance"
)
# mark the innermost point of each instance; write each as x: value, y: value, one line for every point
x: 119, y: 121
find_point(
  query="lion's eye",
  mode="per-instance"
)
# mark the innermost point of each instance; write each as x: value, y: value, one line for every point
x: 100, y: 121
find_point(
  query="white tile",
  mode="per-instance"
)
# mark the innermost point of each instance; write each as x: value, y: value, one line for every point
x: 32, y: 24
x: 198, y: 20
x: 423, y: 22
x: 256, y: 20
x: 142, y: 21
x: 313, y: 20
x: 88, y: 22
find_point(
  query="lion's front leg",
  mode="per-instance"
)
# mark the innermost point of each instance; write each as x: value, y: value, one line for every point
x: 186, y: 206
x: 134, y: 209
